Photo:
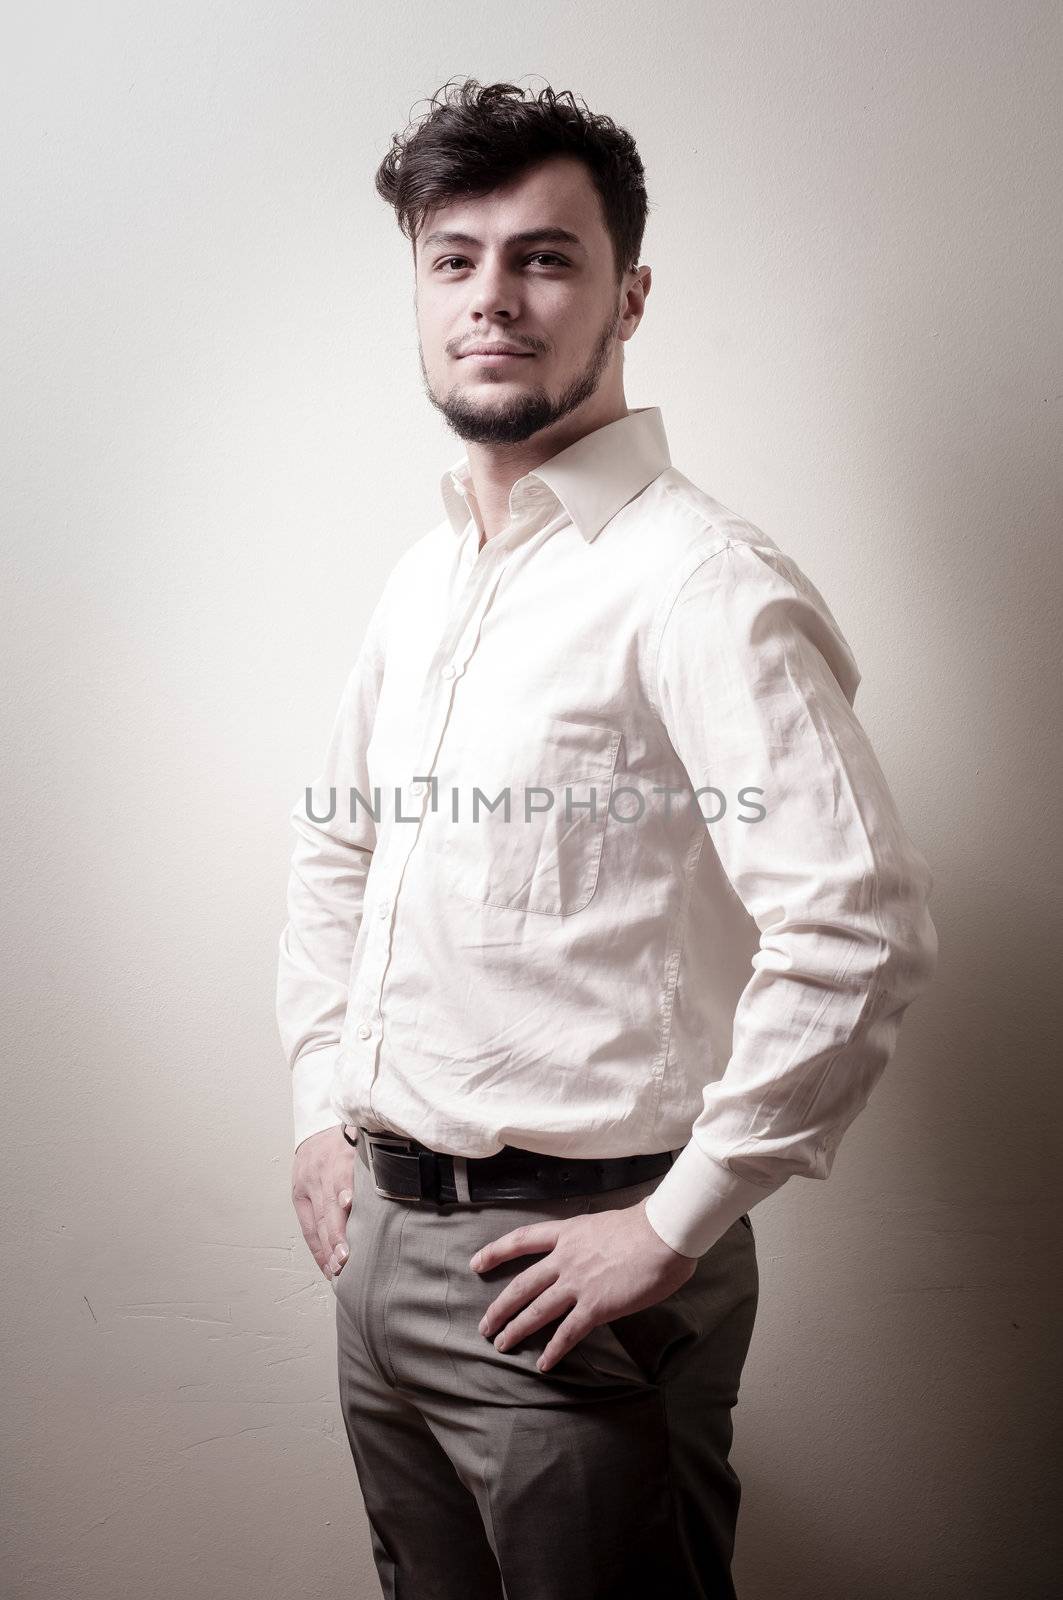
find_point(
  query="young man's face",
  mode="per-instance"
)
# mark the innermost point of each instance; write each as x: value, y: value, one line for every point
x: 554, y: 300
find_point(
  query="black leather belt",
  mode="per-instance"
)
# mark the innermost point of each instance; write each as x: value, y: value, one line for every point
x: 404, y: 1169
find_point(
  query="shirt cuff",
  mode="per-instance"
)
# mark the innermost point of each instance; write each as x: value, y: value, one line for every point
x: 697, y: 1200
x: 312, y: 1107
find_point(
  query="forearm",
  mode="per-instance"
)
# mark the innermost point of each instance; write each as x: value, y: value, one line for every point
x: 814, y: 1030
x: 325, y: 894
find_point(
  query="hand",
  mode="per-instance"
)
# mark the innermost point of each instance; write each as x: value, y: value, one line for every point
x: 322, y: 1191
x: 598, y: 1267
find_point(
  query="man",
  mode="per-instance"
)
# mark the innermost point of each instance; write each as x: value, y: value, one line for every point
x: 573, y: 1045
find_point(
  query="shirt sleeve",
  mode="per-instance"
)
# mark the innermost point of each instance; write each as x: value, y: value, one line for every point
x: 329, y: 865
x: 755, y: 685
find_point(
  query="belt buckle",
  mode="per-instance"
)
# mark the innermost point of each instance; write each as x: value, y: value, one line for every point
x: 426, y: 1167
x: 373, y: 1140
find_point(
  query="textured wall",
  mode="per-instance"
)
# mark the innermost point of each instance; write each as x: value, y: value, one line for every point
x: 215, y: 444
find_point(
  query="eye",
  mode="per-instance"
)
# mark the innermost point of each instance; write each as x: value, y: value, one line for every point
x: 540, y: 255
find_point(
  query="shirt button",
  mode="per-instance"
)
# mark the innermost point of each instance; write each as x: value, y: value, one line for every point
x: 447, y: 672
x: 383, y: 908
x: 364, y: 1030
x: 417, y: 788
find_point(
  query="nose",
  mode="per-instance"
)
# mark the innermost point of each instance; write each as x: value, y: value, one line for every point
x: 495, y: 292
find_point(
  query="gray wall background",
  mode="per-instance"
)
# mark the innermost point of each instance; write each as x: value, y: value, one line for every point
x: 214, y: 446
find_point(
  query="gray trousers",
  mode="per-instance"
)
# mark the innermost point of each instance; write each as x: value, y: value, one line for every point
x: 605, y: 1478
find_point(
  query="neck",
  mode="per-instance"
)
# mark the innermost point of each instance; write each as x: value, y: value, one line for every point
x: 495, y: 468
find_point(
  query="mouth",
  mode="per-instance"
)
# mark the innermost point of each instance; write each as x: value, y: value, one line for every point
x: 497, y: 358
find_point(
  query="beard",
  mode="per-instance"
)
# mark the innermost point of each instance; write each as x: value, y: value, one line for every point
x: 512, y: 418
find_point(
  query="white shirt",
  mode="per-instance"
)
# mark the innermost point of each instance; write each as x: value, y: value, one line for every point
x: 724, y: 976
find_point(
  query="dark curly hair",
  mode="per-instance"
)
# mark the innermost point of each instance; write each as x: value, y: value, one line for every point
x: 478, y: 138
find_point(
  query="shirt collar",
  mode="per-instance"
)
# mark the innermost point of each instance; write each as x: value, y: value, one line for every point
x: 592, y: 478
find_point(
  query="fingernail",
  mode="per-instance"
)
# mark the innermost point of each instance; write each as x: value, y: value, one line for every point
x: 346, y: 1197
x: 483, y: 1324
x: 341, y: 1252
x: 474, y: 1263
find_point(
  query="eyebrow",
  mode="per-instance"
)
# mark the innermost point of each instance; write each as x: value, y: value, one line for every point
x: 528, y: 236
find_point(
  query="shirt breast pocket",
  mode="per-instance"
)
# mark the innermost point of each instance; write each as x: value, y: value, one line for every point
x: 544, y: 858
